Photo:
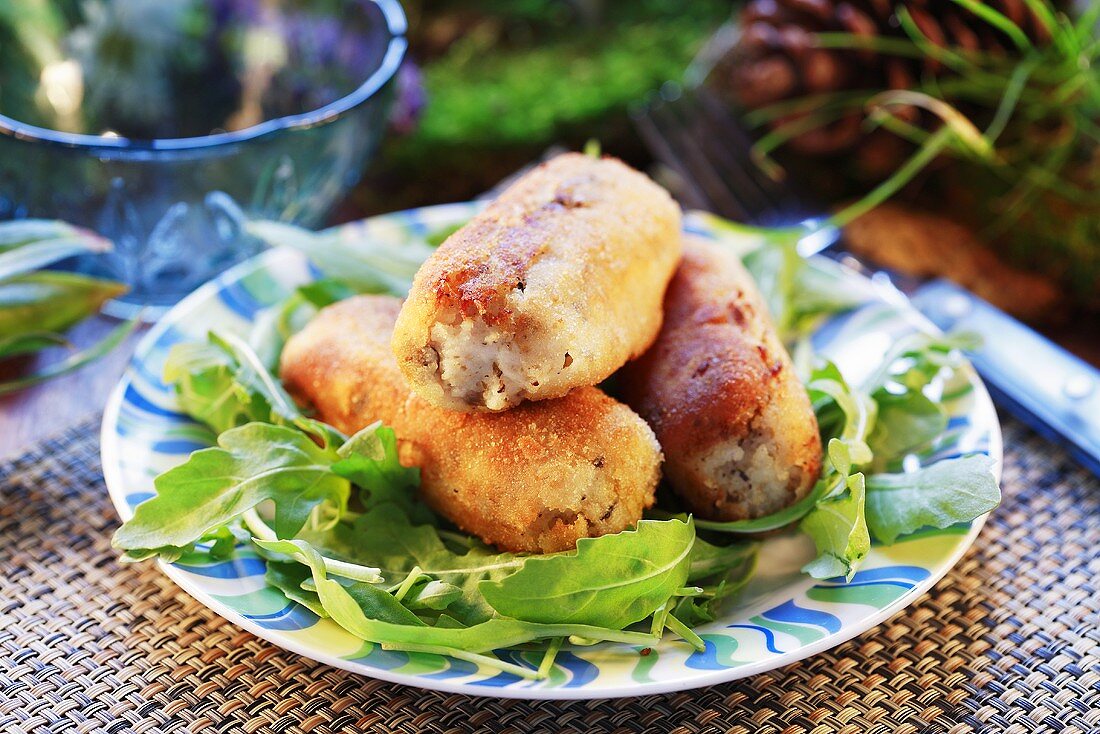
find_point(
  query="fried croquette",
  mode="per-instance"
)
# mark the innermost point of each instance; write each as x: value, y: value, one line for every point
x: 553, y: 287
x: 535, y: 479
x: 738, y: 432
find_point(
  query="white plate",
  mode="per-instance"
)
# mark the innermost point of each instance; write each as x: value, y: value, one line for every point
x: 781, y: 616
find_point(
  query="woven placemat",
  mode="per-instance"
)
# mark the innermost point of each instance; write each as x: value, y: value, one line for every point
x: 1008, y: 641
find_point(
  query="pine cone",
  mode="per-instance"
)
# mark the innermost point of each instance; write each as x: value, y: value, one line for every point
x: 776, y: 59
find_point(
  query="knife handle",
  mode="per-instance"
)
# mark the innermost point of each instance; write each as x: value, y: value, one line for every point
x: 1053, y: 391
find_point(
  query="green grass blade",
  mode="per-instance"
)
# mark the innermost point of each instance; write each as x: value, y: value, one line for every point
x: 37, y: 255
x: 936, y: 144
x: 75, y: 361
x: 1010, y: 99
x: 32, y: 341
x: 999, y: 21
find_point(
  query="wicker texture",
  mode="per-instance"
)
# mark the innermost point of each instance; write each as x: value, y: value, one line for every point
x: 1009, y: 641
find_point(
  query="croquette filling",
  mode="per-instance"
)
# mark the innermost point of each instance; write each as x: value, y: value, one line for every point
x: 750, y: 475
x: 480, y: 364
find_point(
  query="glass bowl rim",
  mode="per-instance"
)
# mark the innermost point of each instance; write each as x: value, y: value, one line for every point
x: 396, y: 25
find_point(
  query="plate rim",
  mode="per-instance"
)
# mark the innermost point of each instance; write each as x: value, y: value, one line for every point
x: 111, y: 467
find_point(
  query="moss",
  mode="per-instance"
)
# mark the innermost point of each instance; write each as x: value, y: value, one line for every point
x: 495, y: 103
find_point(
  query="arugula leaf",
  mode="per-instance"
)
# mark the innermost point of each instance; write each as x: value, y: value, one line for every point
x: 798, y: 292
x: 384, y: 537
x: 704, y: 607
x: 940, y: 495
x: 369, y: 460
x: 915, y: 360
x: 729, y: 567
x: 252, y: 463
x: 858, y: 411
x: 288, y: 577
x: 839, y: 529
x: 775, y: 521
x: 326, y: 291
x: 275, y: 325
x: 354, y: 613
x: 708, y: 559
x: 368, y: 264
x: 906, y: 388
x: 379, y: 604
x: 219, y: 386
x: 224, y: 384
x: 432, y: 594
x: 904, y: 422
x: 610, y: 581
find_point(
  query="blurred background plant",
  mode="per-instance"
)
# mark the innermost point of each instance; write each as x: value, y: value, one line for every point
x: 843, y: 92
x: 38, y: 306
x: 504, y: 80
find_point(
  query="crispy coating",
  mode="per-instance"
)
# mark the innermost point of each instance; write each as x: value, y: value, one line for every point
x: 535, y: 479
x: 554, y: 286
x: 735, y: 423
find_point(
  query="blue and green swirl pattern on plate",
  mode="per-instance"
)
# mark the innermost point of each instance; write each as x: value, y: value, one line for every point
x: 780, y: 617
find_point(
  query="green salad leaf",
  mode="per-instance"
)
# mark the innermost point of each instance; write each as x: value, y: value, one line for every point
x: 275, y: 325
x: 251, y: 463
x: 369, y: 460
x: 371, y: 613
x: 939, y: 495
x: 838, y: 526
x: 367, y: 265
x: 290, y: 577
x: 610, y: 581
x: 350, y: 540
x: 905, y: 421
x: 709, y: 560
x: 224, y: 384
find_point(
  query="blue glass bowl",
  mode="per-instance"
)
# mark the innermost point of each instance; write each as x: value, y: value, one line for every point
x: 205, y: 113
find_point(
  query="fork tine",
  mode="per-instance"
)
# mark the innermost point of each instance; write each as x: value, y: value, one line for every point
x: 696, y: 136
x: 727, y: 201
x: 785, y: 195
x: 732, y: 147
x: 658, y: 142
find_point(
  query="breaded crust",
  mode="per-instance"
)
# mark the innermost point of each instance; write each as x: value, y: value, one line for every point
x: 535, y: 479
x: 735, y: 423
x: 553, y: 287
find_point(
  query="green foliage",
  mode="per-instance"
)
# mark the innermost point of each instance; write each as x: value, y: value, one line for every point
x: 838, y: 526
x: 479, y: 94
x: 610, y: 581
x: 867, y: 429
x: 251, y: 463
x: 528, y: 76
x: 384, y: 567
x: 937, y: 496
x: 37, y: 306
x: 1020, y: 130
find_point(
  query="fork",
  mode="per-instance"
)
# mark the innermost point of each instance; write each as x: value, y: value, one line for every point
x: 694, y: 135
